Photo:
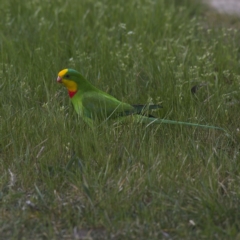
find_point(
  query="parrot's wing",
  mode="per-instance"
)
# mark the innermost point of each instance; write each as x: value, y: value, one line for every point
x: 101, y: 106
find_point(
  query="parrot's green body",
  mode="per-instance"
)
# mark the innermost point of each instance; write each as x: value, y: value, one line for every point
x: 93, y: 104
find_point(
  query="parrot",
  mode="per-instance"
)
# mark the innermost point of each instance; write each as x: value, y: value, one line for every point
x: 92, y: 104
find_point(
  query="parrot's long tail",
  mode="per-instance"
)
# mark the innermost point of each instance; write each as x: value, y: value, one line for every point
x: 151, y: 120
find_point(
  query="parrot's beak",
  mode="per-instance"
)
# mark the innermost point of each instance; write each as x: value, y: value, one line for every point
x: 59, y: 79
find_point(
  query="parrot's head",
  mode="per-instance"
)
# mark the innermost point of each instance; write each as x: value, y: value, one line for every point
x: 70, y: 78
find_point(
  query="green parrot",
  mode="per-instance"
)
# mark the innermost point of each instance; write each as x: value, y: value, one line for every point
x: 93, y: 104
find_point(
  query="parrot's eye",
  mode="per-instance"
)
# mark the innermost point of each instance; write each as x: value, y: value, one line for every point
x: 67, y: 76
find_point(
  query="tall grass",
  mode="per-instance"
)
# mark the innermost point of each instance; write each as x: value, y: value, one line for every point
x: 59, y: 178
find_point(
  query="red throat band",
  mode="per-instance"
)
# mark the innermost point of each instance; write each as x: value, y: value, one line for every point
x: 71, y: 94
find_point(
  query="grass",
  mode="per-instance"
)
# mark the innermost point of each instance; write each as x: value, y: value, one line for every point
x: 61, y: 180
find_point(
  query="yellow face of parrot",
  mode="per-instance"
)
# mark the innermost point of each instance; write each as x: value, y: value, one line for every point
x: 64, y: 78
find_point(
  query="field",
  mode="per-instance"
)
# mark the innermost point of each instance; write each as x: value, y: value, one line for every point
x: 60, y: 179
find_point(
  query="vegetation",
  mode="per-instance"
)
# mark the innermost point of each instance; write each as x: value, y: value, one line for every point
x: 59, y: 179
